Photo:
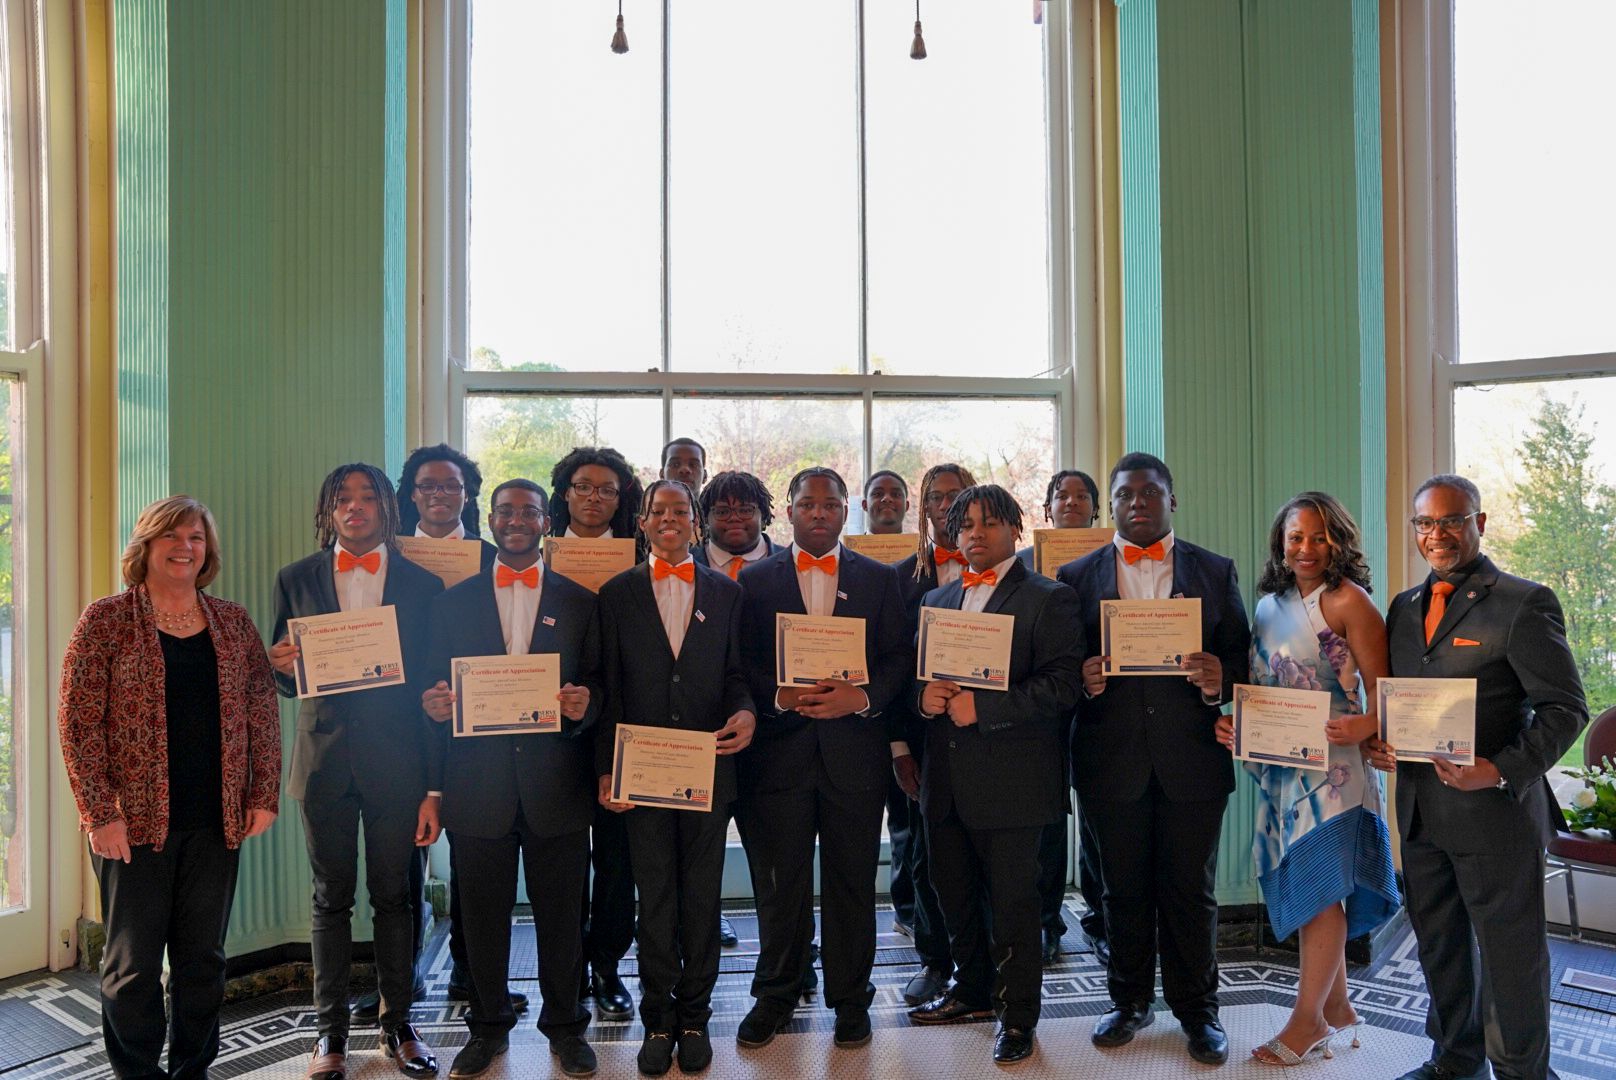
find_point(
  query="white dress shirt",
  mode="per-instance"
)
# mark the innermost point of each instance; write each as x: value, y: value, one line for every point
x: 358, y: 588
x: 719, y: 559
x: 457, y: 533
x: 977, y: 596
x: 948, y: 572
x: 818, y: 588
x: 607, y: 535
x: 674, y: 599
x: 518, y: 609
x: 1146, y: 579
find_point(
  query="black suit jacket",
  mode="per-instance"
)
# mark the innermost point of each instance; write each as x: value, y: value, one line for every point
x: 1144, y: 725
x: 377, y: 738
x: 903, y: 720
x: 854, y: 749
x: 699, y: 691
x: 1007, y: 770
x: 549, y: 777
x: 1529, y: 706
x: 1025, y: 555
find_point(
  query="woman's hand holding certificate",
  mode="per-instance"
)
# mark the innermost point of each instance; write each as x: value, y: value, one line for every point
x: 1275, y: 725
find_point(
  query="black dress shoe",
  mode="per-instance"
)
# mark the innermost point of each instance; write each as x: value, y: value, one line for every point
x: 476, y: 1056
x: 1012, y: 1044
x: 460, y: 990
x: 1209, y: 1044
x: 1431, y: 1070
x: 949, y: 1008
x: 366, y: 1007
x: 852, y: 1026
x: 927, y: 984
x: 576, y: 1057
x: 695, y: 1050
x: 1121, y: 1024
x: 409, y: 1051
x: 761, y: 1025
x: 727, y: 937
x: 1051, y: 945
x: 1100, y: 947
x: 901, y: 927
x: 612, y: 999
x: 330, y: 1060
x: 656, y: 1053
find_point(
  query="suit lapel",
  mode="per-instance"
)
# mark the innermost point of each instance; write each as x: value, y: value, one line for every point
x: 544, y: 639
x: 847, y: 572
x: 1005, y: 589
x: 1184, y: 570
x: 790, y: 593
x: 489, y: 635
x: 1472, y: 592
x: 325, y: 585
x: 1107, y: 572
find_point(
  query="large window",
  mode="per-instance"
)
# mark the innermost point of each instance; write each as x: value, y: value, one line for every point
x: 767, y: 228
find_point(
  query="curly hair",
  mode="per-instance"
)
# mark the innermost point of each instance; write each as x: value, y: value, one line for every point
x: 1346, y: 545
x: 996, y: 503
x: 628, y: 495
x: 927, y: 544
x: 408, y: 516
x: 732, y: 485
x: 1088, y: 482
x: 159, y: 518
x: 325, y: 506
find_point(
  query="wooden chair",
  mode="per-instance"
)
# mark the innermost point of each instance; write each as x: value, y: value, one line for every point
x: 1572, y: 853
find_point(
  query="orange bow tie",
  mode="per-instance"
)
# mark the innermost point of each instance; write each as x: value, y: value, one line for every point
x: 986, y: 577
x: 1131, y: 554
x: 806, y: 562
x: 370, y: 562
x: 685, y: 571
x: 940, y: 556
x: 505, y: 577
x: 734, y: 568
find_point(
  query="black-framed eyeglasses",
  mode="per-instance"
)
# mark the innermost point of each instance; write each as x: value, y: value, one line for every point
x: 526, y: 513
x: 941, y: 498
x: 1425, y: 526
x: 583, y: 489
x: 448, y: 487
x: 727, y: 512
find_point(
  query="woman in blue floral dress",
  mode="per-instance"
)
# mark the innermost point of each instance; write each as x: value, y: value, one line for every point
x: 1322, y: 848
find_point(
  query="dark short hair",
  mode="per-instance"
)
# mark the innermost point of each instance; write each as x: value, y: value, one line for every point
x: 1457, y: 483
x: 521, y: 484
x: 732, y: 485
x: 878, y: 474
x: 1139, y: 461
x: 1067, y: 474
x: 408, y: 516
x: 824, y: 472
x: 671, y: 443
x: 995, y: 500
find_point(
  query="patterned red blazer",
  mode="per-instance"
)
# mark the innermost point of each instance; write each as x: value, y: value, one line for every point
x: 114, y: 721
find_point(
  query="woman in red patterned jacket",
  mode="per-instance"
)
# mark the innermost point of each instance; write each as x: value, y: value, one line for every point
x: 171, y: 735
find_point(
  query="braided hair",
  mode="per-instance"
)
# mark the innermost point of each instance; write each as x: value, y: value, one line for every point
x: 996, y: 503
x: 735, y: 486
x: 928, y: 544
x: 628, y: 496
x: 325, y: 506
x: 408, y: 516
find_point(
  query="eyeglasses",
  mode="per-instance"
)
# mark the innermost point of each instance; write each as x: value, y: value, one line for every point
x: 583, y: 489
x: 526, y: 513
x: 1425, y: 526
x: 743, y: 512
x: 448, y: 487
x: 940, y: 498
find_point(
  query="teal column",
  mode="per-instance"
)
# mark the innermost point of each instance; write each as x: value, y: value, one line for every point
x: 278, y: 341
x: 1252, y: 276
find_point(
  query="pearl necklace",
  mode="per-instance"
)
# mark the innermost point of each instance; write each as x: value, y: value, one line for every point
x: 166, y: 621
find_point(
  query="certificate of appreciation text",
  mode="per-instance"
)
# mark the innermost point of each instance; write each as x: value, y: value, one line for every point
x: 1054, y: 548
x: 1149, y: 637
x: 506, y: 695
x: 452, y: 560
x: 970, y: 648
x: 1427, y: 719
x: 346, y: 651
x: 591, y: 563
x: 1275, y: 725
x: 666, y: 767
x: 883, y: 547
x: 810, y: 648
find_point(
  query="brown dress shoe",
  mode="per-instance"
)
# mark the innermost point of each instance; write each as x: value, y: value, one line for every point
x: 330, y: 1058
x: 409, y: 1052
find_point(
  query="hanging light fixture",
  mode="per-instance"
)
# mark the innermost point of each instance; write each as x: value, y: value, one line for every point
x: 620, y: 39
x: 917, y: 50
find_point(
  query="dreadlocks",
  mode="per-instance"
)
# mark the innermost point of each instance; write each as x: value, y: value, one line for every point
x: 628, y: 494
x: 996, y: 503
x: 738, y: 487
x: 325, y: 507
x: 928, y: 543
x: 408, y: 516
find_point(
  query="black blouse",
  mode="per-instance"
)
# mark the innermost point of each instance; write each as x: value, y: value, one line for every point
x: 195, y: 748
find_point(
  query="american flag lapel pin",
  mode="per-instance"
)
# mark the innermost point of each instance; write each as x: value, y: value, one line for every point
x: 549, y: 620
x: 699, y: 616
x: 1471, y: 595
x: 840, y: 595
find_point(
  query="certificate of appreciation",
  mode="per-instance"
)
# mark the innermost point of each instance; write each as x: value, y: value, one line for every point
x: 809, y: 648
x: 1054, y: 548
x: 667, y: 767
x: 1279, y: 726
x: 346, y: 651
x: 970, y: 648
x: 506, y: 695
x: 883, y: 547
x: 1149, y: 637
x: 591, y: 563
x: 452, y: 560
x: 1427, y: 719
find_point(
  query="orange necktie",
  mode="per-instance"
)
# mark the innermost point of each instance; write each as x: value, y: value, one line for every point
x: 941, y: 556
x: 1440, y: 591
x: 986, y: 577
x: 734, y: 568
x: 685, y: 571
x: 505, y: 577
x: 370, y: 562
x: 1131, y: 554
x: 806, y: 562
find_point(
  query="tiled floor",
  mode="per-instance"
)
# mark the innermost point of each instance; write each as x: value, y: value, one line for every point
x: 269, y: 1037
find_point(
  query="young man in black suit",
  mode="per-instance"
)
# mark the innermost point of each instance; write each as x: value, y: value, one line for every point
x: 670, y: 631
x: 597, y: 494
x: 1148, y: 769
x: 528, y: 795
x: 360, y: 757
x: 1473, y: 835
x: 685, y: 460
x: 1072, y: 501
x: 993, y: 778
x: 818, y: 766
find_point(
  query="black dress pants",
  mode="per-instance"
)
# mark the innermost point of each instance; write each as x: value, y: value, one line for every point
x: 899, y: 834
x: 1159, y: 862
x: 176, y: 899
x: 679, y: 869
x: 608, y: 913
x: 1052, y: 875
x: 1089, y: 882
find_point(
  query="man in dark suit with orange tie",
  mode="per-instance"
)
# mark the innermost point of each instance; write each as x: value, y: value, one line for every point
x: 1473, y: 835
x: 1148, y: 768
x: 993, y: 777
x: 818, y: 765
x: 527, y: 795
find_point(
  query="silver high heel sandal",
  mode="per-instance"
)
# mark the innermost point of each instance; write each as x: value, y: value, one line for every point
x: 1353, y: 1029
x: 1287, y: 1056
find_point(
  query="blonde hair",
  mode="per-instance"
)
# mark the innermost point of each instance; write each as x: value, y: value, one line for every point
x: 159, y: 518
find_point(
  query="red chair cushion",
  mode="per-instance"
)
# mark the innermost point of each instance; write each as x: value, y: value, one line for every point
x: 1584, y: 847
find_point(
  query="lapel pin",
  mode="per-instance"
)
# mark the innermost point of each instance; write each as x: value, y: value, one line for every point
x: 1471, y: 595
x: 699, y: 616
x: 840, y: 595
x: 549, y: 620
